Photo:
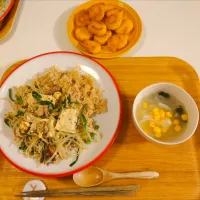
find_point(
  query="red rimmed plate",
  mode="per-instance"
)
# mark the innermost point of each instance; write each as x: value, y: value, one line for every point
x: 109, y: 122
x: 5, y: 11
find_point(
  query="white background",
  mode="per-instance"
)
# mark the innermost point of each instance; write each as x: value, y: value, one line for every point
x: 171, y: 28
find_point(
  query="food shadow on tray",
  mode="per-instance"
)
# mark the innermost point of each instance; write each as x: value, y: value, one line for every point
x: 10, y: 23
x: 60, y: 31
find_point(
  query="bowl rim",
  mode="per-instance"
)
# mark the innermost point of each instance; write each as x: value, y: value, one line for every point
x: 7, y: 10
x: 127, y: 7
x: 151, y: 138
x: 57, y: 175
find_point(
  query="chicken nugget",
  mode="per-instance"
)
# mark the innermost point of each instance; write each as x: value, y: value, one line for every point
x: 114, y: 18
x: 82, y: 34
x: 82, y: 18
x: 103, y: 39
x: 97, y: 11
x: 117, y: 42
x: 97, y: 28
x: 92, y: 47
x: 125, y: 27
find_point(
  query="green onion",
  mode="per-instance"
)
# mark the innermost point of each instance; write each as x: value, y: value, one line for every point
x: 7, y: 122
x: 19, y: 100
x: 20, y: 113
x: 74, y: 162
x: 10, y: 95
x: 84, y: 121
x: 92, y: 135
x: 71, y: 102
x: 96, y: 127
x: 38, y: 97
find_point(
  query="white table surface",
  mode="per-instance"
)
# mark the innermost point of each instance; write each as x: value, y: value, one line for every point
x: 171, y: 28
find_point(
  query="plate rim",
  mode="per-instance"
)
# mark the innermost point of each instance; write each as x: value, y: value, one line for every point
x: 57, y: 175
x: 109, y: 56
x: 7, y: 10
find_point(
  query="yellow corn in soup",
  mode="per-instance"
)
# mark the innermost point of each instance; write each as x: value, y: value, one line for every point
x: 162, y: 116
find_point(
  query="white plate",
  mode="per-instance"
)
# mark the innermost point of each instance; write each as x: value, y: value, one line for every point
x: 109, y: 122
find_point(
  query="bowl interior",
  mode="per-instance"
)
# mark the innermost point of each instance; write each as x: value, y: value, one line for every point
x: 133, y: 39
x: 65, y: 61
x: 190, y: 107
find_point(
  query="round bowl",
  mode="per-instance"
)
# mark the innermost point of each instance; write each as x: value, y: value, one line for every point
x: 6, y: 11
x: 190, y: 107
x: 109, y: 122
x: 104, y: 54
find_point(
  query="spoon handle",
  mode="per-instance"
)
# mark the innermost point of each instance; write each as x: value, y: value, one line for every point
x: 137, y: 175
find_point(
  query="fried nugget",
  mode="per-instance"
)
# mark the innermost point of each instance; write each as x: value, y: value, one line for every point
x: 103, y: 39
x: 97, y: 11
x: 92, y: 47
x: 82, y: 18
x: 82, y: 34
x: 125, y: 27
x: 117, y: 42
x: 114, y: 18
x: 97, y: 28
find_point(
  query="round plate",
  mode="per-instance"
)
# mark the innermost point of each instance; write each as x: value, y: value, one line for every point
x: 9, y: 6
x: 109, y: 122
x: 133, y: 38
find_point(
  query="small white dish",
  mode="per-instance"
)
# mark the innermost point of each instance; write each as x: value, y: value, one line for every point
x: 181, y: 95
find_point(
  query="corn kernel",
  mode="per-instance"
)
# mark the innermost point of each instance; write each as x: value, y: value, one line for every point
x: 176, y: 122
x: 157, y: 129
x: 177, y: 128
x: 163, y: 130
x: 145, y: 105
x: 155, y: 110
x: 162, y: 113
x: 157, y: 117
x: 169, y: 114
x: 158, y: 135
x: 152, y: 124
x: 184, y: 117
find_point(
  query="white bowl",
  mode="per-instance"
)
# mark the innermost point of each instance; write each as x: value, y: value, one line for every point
x: 181, y: 95
x: 109, y: 122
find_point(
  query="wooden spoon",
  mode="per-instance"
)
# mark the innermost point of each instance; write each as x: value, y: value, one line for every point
x: 93, y: 176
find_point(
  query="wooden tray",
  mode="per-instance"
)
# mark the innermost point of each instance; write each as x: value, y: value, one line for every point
x: 8, y: 21
x: 178, y: 165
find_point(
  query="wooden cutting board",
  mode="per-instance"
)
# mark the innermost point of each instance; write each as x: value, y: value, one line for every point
x: 179, y: 165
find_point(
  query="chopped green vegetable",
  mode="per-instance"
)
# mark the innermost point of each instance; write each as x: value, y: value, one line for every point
x: 71, y: 102
x: 23, y: 147
x: 19, y: 100
x: 164, y: 94
x: 86, y: 141
x: 36, y: 107
x: 179, y: 110
x: 83, y: 118
x: 38, y: 97
x: 10, y: 95
x: 84, y: 121
x: 7, y: 122
x: 92, y: 135
x: 74, y: 162
x: 20, y: 113
x: 96, y: 127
